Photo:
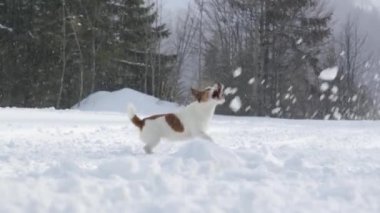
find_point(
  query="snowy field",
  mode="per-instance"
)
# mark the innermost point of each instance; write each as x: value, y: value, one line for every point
x: 81, y: 161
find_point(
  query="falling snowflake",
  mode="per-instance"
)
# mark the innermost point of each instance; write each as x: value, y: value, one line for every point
x: 251, y: 81
x: 230, y: 91
x: 329, y: 74
x: 276, y: 110
x: 299, y: 41
x: 237, y: 72
x: 324, y: 87
x: 235, y: 104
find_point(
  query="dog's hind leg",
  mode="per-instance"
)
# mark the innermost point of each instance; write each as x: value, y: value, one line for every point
x: 151, y: 137
x: 150, y: 140
x: 205, y: 137
x: 149, y: 145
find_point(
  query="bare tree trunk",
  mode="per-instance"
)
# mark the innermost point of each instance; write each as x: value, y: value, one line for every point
x: 353, y: 47
x: 159, y: 77
x: 93, y: 45
x: 200, y: 76
x: 59, y: 98
x: 146, y: 61
x: 146, y: 73
x: 81, y: 65
x: 153, y: 69
x: 93, y: 65
x: 186, y: 33
x: 147, y: 57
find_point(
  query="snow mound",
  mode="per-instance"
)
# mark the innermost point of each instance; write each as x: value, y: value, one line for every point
x: 329, y: 74
x: 128, y: 167
x: 206, y: 151
x: 63, y: 169
x: 118, y: 101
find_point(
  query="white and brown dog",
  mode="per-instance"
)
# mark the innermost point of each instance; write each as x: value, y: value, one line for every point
x: 191, y: 121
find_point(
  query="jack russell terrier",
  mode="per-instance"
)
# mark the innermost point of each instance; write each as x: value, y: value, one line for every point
x: 191, y: 121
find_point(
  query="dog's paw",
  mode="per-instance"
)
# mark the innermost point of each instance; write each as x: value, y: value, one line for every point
x: 148, y: 149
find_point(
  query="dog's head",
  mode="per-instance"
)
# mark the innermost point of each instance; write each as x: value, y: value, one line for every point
x: 212, y: 94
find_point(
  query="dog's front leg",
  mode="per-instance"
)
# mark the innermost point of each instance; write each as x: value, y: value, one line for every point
x: 205, y: 136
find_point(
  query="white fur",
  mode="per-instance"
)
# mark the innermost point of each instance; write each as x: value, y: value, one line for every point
x: 131, y: 110
x: 195, y: 119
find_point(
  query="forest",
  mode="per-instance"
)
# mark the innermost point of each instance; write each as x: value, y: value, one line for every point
x: 55, y: 53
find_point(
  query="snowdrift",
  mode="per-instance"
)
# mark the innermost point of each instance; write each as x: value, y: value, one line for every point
x: 118, y: 101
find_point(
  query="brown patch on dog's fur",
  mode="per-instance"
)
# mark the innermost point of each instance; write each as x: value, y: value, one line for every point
x: 138, y: 122
x: 171, y: 119
x: 141, y: 122
x: 200, y: 96
x: 174, y: 122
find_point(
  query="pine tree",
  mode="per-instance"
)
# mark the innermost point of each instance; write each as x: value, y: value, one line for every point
x: 54, y: 53
x: 29, y: 53
x: 298, y: 32
x: 135, y: 39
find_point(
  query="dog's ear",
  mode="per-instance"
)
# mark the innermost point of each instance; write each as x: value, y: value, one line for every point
x: 197, y: 94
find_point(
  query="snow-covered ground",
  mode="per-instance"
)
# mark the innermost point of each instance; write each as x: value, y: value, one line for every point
x: 81, y: 161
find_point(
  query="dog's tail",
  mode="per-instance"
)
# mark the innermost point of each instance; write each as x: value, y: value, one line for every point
x: 132, y: 115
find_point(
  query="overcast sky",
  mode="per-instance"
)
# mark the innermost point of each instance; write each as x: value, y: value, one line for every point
x: 175, y: 4
x: 375, y: 3
x: 363, y: 9
x: 182, y: 4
